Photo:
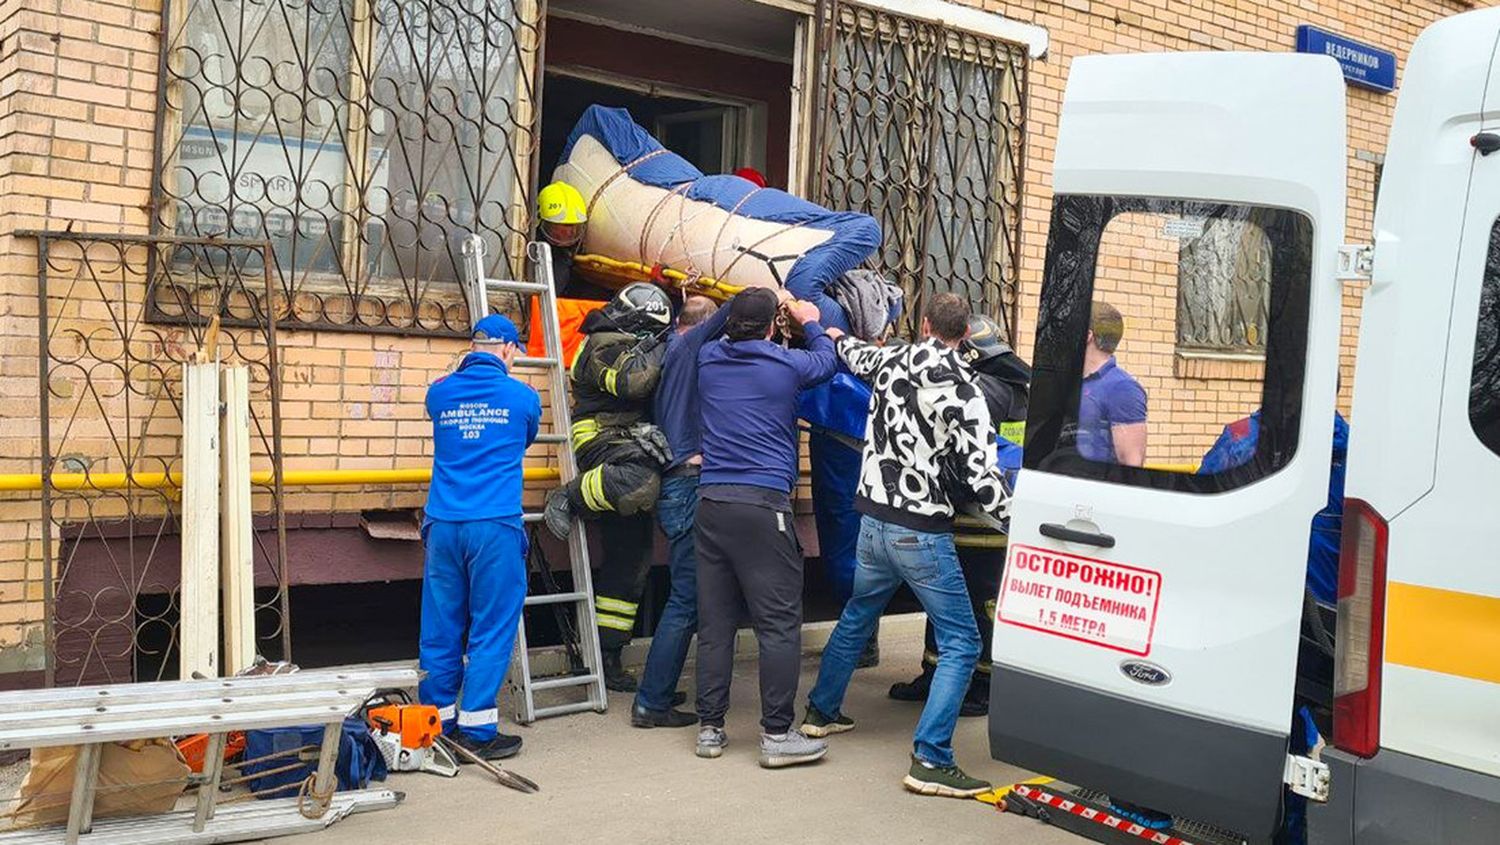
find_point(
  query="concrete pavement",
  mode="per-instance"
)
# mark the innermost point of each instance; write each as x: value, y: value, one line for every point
x: 605, y: 782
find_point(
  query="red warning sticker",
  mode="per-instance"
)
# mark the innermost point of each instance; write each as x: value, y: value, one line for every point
x: 1091, y: 601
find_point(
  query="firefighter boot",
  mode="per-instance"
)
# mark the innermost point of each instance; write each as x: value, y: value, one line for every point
x: 977, y: 699
x: 558, y: 514
x: 616, y: 678
x: 916, y: 689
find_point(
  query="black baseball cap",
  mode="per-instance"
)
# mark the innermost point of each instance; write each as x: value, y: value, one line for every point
x: 751, y: 312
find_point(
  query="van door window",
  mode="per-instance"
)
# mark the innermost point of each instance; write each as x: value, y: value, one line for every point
x: 1171, y: 342
x: 1484, y: 389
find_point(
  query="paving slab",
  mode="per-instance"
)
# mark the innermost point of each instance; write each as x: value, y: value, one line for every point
x: 605, y: 782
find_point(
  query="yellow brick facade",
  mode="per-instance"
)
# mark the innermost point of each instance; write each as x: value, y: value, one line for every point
x: 78, y: 113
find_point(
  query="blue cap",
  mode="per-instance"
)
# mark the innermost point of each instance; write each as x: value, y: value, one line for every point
x: 496, y: 328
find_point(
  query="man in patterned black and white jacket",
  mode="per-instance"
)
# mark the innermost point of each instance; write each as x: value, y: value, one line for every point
x: 926, y: 412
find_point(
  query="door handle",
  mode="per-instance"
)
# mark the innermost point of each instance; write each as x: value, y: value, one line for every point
x: 1073, y: 535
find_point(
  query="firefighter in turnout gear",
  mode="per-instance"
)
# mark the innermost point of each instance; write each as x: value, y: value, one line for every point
x: 620, y: 456
x: 1005, y: 380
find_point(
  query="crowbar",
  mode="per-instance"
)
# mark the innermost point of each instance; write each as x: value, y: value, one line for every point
x: 510, y: 779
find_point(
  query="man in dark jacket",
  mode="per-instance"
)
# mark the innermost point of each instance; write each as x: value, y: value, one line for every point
x: 474, y: 576
x: 620, y: 456
x: 747, y: 544
x: 679, y: 415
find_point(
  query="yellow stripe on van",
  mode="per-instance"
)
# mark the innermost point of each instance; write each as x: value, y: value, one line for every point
x: 1443, y: 631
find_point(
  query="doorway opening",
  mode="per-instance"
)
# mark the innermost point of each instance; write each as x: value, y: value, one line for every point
x: 715, y: 134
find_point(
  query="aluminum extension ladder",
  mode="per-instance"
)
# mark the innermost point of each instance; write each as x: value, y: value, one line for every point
x: 477, y: 290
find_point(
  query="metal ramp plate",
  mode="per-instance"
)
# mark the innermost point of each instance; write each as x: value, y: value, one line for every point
x: 1087, y: 814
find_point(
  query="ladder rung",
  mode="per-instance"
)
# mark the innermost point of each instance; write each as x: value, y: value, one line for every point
x: 565, y: 709
x: 513, y: 286
x: 565, y: 681
x: 552, y: 438
x: 529, y: 361
x: 556, y: 598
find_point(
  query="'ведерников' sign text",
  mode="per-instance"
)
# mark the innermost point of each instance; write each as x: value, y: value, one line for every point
x: 1364, y: 65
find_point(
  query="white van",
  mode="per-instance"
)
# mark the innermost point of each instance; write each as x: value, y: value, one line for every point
x: 1147, y: 632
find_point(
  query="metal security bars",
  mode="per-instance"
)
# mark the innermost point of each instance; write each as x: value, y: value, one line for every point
x: 110, y: 389
x: 363, y: 139
x: 923, y: 126
x: 1224, y: 284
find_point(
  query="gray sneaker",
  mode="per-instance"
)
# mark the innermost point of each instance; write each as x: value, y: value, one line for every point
x: 711, y: 742
x: 790, y: 749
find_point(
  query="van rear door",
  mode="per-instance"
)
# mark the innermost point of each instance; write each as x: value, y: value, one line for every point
x: 1180, y: 432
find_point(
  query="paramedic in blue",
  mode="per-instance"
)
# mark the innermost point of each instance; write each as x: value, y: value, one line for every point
x: 474, y: 576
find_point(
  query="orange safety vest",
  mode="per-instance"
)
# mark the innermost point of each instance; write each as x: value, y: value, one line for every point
x: 570, y: 314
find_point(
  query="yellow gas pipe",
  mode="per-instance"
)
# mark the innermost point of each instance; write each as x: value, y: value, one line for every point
x: 290, y: 478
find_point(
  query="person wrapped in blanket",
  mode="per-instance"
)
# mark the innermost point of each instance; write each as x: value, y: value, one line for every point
x: 620, y: 456
x: 1005, y: 381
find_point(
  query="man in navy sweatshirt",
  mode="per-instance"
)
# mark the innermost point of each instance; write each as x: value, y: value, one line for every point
x: 747, y: 546
x: 474, y: 576
x: 678, y: 415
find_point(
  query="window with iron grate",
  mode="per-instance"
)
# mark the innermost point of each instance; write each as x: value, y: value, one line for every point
x: 1223, y: 270
x: 922, y: 126
x: 364, y: 139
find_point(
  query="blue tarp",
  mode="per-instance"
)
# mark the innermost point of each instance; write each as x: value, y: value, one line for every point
x: 855, y: 236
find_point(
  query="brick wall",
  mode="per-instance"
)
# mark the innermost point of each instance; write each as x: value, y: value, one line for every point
x: 1088, y: 27
x: 78, y: 95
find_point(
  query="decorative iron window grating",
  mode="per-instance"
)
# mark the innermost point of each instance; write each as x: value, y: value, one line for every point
x: 1224, y: 285
x: 110, y: 391
x: 364, y: 139
x: 923, y: 127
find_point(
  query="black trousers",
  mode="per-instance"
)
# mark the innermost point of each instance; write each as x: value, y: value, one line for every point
x: 748, y: 556
x: 983, y: 569
x: 626, y: 541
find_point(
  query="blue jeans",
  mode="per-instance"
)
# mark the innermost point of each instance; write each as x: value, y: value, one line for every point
x: 888, y: 555
x: 675, y: 511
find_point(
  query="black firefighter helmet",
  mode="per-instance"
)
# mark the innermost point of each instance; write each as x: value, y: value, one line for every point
x: 639, y: 308
x: 986, y: 352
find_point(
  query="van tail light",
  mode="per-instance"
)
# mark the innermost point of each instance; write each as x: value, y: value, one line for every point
x: 1359, y: 643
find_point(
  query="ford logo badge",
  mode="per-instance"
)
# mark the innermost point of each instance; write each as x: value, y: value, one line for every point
x: 1146, y: 673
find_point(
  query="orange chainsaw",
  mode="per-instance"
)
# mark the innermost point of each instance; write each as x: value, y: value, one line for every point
x: 407, y: 734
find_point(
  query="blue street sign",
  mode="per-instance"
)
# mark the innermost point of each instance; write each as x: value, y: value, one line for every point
x: 1364, y: 65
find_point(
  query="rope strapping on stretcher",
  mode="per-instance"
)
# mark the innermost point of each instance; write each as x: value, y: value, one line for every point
x: 693, y: 273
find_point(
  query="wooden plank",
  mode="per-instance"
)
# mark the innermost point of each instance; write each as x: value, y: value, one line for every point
x: 198, y: 628
x: 238, y: 553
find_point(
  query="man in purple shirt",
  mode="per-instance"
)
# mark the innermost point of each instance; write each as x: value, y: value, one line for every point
x: 1112, y: 410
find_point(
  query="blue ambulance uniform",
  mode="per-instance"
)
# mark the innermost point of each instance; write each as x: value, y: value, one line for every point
x: 474, y: 579
x: 1236, y: 446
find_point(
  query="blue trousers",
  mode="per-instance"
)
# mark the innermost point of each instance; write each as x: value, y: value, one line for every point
x: 675, y: 511
x: 473, y: 588
x: 835, y: 476
x: 888, y: 555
